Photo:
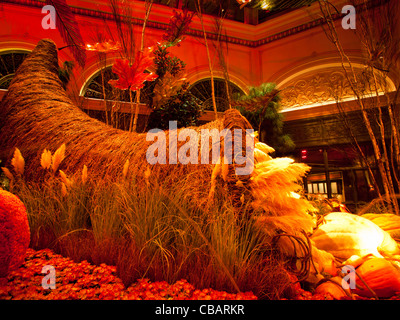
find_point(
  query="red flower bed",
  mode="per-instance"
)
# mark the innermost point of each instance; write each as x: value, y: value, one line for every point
x: 86, y: 281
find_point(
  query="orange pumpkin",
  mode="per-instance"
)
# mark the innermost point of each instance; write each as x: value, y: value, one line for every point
x: 380, y: 275
x: 386, y: 221
x: 334, y: 289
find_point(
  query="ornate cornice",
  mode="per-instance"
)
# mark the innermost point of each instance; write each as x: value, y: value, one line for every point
x: 192, y: 32
x: 330, y: 85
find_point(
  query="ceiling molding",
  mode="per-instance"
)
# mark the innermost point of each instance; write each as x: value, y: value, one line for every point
x: 240, y: 33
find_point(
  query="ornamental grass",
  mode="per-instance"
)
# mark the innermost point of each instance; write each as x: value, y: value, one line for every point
x: 149, y: 232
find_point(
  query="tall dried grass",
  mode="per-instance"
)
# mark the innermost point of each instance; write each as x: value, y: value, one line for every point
x: 151, y: 233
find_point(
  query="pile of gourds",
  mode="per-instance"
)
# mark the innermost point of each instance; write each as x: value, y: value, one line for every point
x: 366, y: 245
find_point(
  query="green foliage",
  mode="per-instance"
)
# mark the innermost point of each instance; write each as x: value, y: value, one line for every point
x: 261, y: 107
x: 177, y: 104
x: 64, y: 72
x: 182, y: 107
x: 167, y: 63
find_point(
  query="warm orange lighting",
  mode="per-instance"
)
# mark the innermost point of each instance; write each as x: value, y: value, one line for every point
x: 107, y: 46
x: 243, y: 2
x: 265, y: 5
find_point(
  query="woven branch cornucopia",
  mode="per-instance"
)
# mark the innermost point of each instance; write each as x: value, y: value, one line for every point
x: 36, y: 113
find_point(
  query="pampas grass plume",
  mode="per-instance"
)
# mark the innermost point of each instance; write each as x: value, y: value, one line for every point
x: 84, y: 174
x: 261, y: 156
x: 45, y: 159
x: 125, y: 169
x: 64, y: 191
x: 58, y: 157
x: 18, y: 162
x: 67, y: 182
x: 264, y: 147
x: 8, y: 173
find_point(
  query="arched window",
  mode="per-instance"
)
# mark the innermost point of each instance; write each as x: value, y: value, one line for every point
x: 9, y: 63
x: 202, y: 90
x: 98, y: 87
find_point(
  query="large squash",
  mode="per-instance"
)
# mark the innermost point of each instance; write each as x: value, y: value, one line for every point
x: 344, y: 234
x: 386, y: 221
x: 380, y: 275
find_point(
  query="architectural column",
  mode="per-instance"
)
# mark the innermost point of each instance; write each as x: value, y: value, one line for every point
x: 250, y: 16
x: 327, y: 175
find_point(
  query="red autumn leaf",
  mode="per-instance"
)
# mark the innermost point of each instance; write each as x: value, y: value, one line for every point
x: 133, y: 77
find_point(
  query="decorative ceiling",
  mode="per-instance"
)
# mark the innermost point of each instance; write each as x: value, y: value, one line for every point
x: 262, y: 10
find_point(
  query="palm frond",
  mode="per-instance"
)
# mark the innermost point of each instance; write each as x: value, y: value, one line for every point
x: 124, y: 22
x: 69, y: 30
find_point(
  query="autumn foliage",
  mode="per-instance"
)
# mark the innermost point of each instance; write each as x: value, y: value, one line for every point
x: 133, y: 76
